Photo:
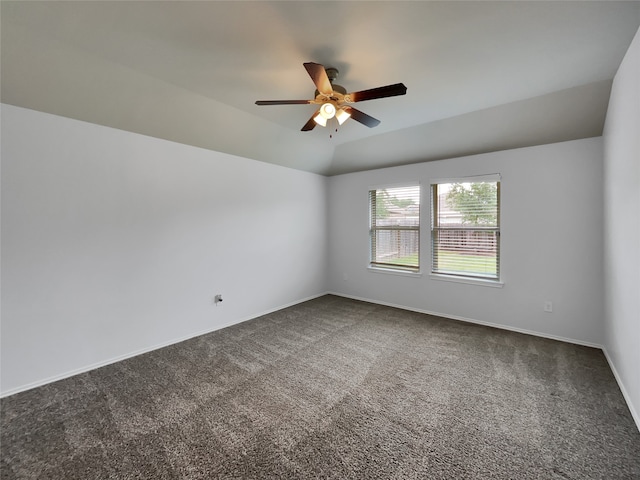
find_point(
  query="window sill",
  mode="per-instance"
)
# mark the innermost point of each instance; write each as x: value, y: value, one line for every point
x: 470, y: 281
x: 393, y: 271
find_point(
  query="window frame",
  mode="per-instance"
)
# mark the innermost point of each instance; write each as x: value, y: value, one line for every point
x: 465, y: 276
x: 389, y: 267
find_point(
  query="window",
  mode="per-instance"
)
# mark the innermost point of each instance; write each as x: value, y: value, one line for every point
x: 465, y: 227
x: 395, y: 228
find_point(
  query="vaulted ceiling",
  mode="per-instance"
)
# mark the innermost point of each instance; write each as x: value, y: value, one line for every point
x: 481, y: 76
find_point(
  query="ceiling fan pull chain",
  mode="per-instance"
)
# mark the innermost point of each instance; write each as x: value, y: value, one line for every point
x: 336, y: 131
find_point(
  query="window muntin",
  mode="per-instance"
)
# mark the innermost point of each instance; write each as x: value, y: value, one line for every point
x: 465, y: 228
x: 395, y: 228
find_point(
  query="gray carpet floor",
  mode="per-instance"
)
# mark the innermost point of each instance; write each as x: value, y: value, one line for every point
x: 332, y: 388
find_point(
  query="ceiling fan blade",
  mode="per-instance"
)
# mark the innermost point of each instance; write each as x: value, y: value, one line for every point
x: 311, y: 124
x: 363, y: 118
x: 283, y: 102
x: 380, y: 92
x: 319, y: 76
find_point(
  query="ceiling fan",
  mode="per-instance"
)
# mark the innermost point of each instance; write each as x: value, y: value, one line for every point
x: 333, y: 99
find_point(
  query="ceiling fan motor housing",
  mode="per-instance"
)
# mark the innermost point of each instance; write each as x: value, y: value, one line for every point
x: 332, y: 74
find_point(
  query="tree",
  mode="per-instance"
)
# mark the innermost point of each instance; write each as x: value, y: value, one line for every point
x: 477, y: 202
x: 384, y: 201
x: 401, y: 202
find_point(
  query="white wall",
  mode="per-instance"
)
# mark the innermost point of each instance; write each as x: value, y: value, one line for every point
x: 622, y: 226
x: 552, y: 217
x: 115, y: 243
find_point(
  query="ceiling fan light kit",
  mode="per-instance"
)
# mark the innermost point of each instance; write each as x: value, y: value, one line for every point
x: 333, y: 99
x: 328, y: 110
x: 342, y: 115
x: 320, y: 120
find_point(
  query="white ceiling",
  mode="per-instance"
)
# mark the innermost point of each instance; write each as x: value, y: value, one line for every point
x: 481, y: 76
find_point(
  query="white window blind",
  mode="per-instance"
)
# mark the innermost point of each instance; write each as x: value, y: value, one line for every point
x: 395, y: 227
x: 465, y: 227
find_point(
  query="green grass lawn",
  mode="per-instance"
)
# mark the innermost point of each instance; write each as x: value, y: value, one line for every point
x: 452, y: 261
x: 466, y: 262
x: 411, y: 260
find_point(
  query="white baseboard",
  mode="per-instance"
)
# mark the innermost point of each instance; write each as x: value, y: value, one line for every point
x: 472, y: 320
x: 119, y: 358
x: 625, y: 394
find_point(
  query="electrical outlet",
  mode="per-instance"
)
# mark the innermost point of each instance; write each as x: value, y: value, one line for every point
x: 548, y: 306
